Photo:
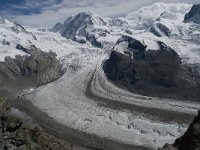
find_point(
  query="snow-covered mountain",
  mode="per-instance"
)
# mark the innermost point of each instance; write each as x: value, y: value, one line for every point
x: 83, y: 98
x: 164, y: 22
x: 12, y: 34
x: 84, y: 27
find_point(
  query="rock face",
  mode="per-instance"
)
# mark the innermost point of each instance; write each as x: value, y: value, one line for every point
x: 193, y: 15
x: 132, y: 47
x: 42, y: 67
x: 159, y: 29
x: 159, y: 73
x: 190, y: 140
x: 4, y: 107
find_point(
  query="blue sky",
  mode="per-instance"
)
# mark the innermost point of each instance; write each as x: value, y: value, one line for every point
x: 48, y: 12
x: 14, y: 7
x: 25, y: 7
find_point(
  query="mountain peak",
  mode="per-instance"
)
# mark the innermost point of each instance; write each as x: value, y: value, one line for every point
x: 79, y: 20
x: 86, y: 15
x: 89, y: 19
x: 82, y: 27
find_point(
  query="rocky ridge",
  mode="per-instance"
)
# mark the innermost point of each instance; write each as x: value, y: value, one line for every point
x: 32, y: 70
x: 157, y: 73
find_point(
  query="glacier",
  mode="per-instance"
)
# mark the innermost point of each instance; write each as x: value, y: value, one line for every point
x: 84, y: 99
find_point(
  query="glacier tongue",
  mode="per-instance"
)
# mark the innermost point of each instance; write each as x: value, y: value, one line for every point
x: 68, y: 101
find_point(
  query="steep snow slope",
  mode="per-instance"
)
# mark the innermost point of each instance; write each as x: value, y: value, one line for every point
x: 99, y: 31
x: 12, y: 34
x: 177, y: 10
x: 83, y: 27
x: 165, y: 22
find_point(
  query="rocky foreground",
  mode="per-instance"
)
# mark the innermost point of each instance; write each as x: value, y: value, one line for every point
x: 15, y: 134
x: 190, y: 140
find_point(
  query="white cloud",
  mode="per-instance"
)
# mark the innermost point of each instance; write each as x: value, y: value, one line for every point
x: 60, y: 11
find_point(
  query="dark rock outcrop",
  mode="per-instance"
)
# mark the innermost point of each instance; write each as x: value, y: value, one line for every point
x: 135, y: 48
x: 34, y: 69
x: 160, y: 73
x: 160, y: 29
x: 4, y: 107
x: 193, y: 15
x: 190, y: 140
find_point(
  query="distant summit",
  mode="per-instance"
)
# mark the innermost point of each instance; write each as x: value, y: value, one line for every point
x: 82, y: 28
